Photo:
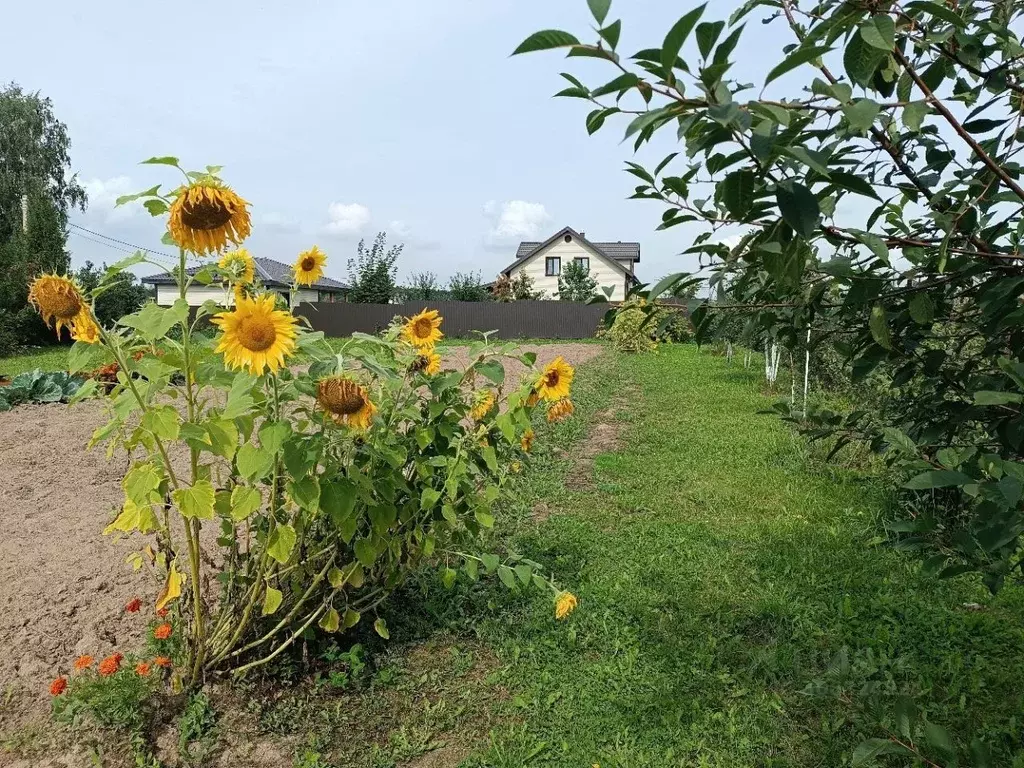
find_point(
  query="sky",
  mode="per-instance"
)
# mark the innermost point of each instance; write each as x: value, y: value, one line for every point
x: 340, y: 119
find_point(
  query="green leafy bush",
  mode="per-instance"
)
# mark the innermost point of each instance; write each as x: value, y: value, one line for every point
x: 39, y: 387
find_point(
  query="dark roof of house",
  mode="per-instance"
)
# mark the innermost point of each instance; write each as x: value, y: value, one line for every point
x: 272, y: 273
x: 612, y: 250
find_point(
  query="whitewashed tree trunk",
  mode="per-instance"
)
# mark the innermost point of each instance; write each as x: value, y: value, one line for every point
x: 772, y: 354
x: 728, y: 352
x: 807, y: 369
x: 792, y: 381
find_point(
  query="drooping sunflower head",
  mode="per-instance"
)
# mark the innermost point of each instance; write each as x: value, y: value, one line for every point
x: 346, y: 401
x: 240, y: 265
x: 426, y: 362
x: 423, y: 331
x: 561, y: 410
x: 565, y: 604
x: 207, y: 215
x: 482, y: 405
x: 309, y: 267
x: 555, y: 380
x: 526, y: 441
x: 58, y: 300
x: 85, y: 329
x: 533, y: 399
x: 256, y: 335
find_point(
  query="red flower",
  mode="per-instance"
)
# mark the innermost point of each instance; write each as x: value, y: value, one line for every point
x: 142, y: 669
x: 58, y: 686
x: 163, y: 631
x: 162, y: 661
x: 162, y: 612
x: 83, y: 662
x: 118, y: 657
x: 110, y: 665
x: 133, y: 605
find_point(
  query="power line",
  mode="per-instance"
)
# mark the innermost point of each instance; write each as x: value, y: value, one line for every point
x: 121, y: 242
x: 100, y: 242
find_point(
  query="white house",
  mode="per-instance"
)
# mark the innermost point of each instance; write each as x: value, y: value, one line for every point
x: 273, y: 274
x: 612, y: 264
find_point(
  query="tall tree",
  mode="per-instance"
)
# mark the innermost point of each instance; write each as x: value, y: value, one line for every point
x: 372, y: 272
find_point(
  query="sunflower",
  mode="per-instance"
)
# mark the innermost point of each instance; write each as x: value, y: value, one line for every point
x: 554, y: 382
x: 483, y: 405
x: 527, y: 440
x: 533, y: 399
x: 427, y: 362
x: 240, y: 265
x: 256, y: 336
x: 309, y: 267
x: 565, y: 604
x: 561, y: 410
x: 84, y: 328
x: 346, y: 401
x: 58, y: 299
x: 207, y: 215
x: 423, y: 331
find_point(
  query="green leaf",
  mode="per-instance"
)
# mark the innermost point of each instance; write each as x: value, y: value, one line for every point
x: 852, y: 182
x: 271, y: 600
x: 599, y: 9
x: 195, y: 501
x: 366, y: 553
x: 799, y: 208
x: 666, y: 283
x: 153, y: 322
x: 163, y: 421
x: 165, y: 160
x: 156, y: 207
x: 922, y: 308
x: 330, y: 621
x: 338, y: 499
x: 486, y: 519
x: 351, y: 618
x: 281, y: 543
x: 875, y: 244
x: 914, y: 115
x: 491, y: 369
x: 800, y: 56
x: 546, y: 40
x: 244, y: 501
x: 879, y: 32
x: 240, y: 400
x: 866, y: 752
x: 130, y: 198
x: 381, y: 628
x: 524, y: 572
x: 273, y: 434
x: 611, y: 33
x: 223, y: 437
x: 937, y: 478
x: 490, y: 562
x: 990, y: 397
x: 507, y: 576
x: 936, y: 736
x: 861, y: 60
x: 448, y: 576
x: 140, y: 483
x: 305, y: 492
x: 707, y: 35
x: 254, y: 463
x: 861, y: 114
x: 879, y: 327
x: 737, y: 191
x: 937, y: 10
x: 677, y: 36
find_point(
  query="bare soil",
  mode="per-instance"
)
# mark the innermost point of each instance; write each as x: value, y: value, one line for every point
x: 63, y: 585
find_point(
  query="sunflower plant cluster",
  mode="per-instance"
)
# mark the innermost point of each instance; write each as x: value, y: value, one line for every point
x: 279, y: 486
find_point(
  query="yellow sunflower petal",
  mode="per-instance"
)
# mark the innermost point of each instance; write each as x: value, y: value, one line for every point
x: 555, y: 381
x: 309, y: 267
x: 423, y: 331
x: 346, y: 401
x: 256, y: 335
x: 240, y: 264
x: 58, y: 299
x: 206, y: 215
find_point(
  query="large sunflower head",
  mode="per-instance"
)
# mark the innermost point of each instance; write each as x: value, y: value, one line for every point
x: 427, y: 362
x: 256, y: 335
x: 84, y: 328
x: 309, y: 267
x: 482, y: 404
x: 207, y: 215
x: 346, y: 401
x: 561, y: 410
x: 423, y: 331
x: 58, y: 299
x: 555, y: 380
x: 240, y: 265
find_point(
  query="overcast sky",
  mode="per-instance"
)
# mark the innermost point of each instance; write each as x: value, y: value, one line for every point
x: 339, y: 119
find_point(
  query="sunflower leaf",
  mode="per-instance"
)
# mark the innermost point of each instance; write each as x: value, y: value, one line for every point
x: 195, y: 501
x: 281, y: 543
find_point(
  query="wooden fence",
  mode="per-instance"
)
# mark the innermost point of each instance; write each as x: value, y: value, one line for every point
x: 511, y: 320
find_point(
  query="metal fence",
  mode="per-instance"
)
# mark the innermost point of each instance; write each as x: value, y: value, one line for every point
x: 511, y: 320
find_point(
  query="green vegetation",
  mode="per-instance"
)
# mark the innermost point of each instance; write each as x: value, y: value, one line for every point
x: 736, y: 606
x: 47, y: 358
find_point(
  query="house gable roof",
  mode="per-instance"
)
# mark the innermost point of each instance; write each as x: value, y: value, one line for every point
x: 272, y: 273
x: 611, y: 251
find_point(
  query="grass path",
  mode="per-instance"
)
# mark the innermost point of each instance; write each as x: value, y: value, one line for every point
x: 721, y: 571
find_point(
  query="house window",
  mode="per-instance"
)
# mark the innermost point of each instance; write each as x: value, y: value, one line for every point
x: 583, y: 261
x: 553, y: 266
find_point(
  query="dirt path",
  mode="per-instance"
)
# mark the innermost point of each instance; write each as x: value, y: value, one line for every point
x: 63, y: 585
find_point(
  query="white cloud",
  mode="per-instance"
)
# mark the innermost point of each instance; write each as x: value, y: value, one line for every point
x: 400, y: 231
x: 345, y: 219
x: 103, y: 194
x: 515, y: 220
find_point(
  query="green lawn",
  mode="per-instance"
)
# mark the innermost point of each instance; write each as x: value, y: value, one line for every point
x: 734, y: 610
x: 46, y: 358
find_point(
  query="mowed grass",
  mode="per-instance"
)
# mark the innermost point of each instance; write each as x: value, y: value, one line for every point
x: 723, y: 576
x: 46, y: 358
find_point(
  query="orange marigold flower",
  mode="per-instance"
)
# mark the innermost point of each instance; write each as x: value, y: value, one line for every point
x: 58, y: 686
x: 83, y: 662
x: 109, y: 665
x: 162, y: 612
x: 163, y: 631
x: 142, y: 669
x: 133, y: 605
x: 162, y: 661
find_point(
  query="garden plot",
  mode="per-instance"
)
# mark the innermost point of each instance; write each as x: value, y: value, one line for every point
x: 63, y: 585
